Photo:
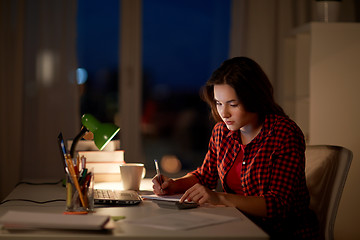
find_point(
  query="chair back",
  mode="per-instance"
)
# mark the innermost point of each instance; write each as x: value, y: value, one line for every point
x: 326, y: 170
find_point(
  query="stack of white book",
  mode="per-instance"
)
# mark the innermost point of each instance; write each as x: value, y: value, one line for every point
x: 104, y: 164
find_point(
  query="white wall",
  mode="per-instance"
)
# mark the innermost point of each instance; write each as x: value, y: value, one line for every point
x: 322, y: 76
x: 335, y: 108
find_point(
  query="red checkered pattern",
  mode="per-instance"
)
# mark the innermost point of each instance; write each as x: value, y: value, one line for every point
x: 274, y: 167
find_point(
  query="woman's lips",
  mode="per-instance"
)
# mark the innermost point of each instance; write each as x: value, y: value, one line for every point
x: 229, y: 122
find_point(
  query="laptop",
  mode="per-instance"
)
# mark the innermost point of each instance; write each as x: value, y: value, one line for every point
x: 106, y: 196
x: 116, y: 197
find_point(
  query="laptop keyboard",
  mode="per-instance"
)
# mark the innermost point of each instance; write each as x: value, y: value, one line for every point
x: 116, y: 197
x: 110, y: 194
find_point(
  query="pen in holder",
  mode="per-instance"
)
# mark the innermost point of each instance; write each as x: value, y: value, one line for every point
x: 79, y: 188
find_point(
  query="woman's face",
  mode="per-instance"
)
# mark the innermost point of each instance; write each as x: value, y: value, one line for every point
x: 231, y: 111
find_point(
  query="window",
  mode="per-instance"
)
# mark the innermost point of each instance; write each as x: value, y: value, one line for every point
x: 183, y: 42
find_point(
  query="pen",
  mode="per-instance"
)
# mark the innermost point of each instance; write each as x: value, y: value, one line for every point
x: 73, y: 176
x: 83, y: 162
x: 62, y: 148
x: 158, y: 171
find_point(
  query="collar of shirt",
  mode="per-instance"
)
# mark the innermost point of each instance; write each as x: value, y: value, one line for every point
x: 265, y: 131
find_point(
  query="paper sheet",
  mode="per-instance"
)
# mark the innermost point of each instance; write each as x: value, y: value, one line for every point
x: 182, y: 220
x: 171, y: 198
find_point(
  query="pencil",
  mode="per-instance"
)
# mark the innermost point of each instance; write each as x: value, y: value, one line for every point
x: 75, y: 181
x: 158, y: 171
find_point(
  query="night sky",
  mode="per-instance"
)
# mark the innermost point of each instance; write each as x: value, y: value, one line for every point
x: 183, y: 41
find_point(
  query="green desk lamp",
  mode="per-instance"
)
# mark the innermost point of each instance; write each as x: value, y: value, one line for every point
x: 103, y: 132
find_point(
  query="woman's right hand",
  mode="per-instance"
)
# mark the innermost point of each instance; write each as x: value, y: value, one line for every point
x: 167, y: 186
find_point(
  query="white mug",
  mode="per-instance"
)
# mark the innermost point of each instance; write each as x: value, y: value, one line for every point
x: 131, y: 175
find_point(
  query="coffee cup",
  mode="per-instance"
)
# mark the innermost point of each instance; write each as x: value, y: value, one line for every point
x: 131, y: 175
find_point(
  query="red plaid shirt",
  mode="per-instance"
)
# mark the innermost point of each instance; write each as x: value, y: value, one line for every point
x: 273, y: 167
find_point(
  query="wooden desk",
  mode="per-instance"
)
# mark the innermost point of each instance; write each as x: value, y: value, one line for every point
x: 242, y: 228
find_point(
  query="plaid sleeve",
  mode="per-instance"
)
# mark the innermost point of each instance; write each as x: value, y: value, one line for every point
x: 287, y: 172
x: 207, y: 173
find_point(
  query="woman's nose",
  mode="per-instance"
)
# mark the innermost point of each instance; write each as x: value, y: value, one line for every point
x: 225, y: 113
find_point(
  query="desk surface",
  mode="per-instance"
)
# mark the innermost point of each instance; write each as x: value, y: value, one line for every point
x: 241, y: 228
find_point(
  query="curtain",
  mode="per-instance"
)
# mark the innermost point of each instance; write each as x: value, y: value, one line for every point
x: 39, y: 95
x: 11, y: 85
x: 259, y: 28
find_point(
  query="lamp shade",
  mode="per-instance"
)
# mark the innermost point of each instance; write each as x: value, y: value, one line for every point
x: 103, y: 132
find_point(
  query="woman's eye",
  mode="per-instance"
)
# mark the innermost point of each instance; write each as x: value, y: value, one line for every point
x: 234, y: 105
x: 218, y: 103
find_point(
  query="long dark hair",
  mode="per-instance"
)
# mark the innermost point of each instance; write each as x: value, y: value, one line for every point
x: 251, y: 85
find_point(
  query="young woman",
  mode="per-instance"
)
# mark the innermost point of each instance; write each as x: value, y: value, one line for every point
x: 255, y: 150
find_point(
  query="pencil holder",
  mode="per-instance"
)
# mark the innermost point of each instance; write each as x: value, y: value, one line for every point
x: 80, y: 194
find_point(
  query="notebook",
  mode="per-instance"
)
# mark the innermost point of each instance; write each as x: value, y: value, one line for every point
x: 116, y: 197
x: 25, y: 220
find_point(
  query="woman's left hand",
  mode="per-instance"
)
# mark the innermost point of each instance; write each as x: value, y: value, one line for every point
x: 200, y: 194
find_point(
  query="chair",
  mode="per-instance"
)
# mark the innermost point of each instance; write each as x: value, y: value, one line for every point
x: 326, y: 170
